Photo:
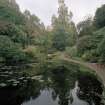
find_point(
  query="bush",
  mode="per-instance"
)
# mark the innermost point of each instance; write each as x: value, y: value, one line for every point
x: 10, y: 12
x: 99, y: 19
x: 84, y: 44
x: 11, y: 51
x: 35, y: 54
x: 71, y: 51
x: 59, y: 40
x: 91, y: 56
x: 14, y: 32
x: 101, y: 51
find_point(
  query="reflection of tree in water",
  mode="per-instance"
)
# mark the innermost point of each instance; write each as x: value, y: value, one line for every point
x: 90, y: 89
x: 31, y: 90
x: 16, y: 96
x: 62, y: 81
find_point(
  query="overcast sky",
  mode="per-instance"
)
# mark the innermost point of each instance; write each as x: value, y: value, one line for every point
x: 44, y: 9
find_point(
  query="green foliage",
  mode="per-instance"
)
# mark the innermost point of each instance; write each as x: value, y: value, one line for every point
x: 101, y: 51
x: 90, y: 46
x: 35, y: 54
x: 23, y: 36
x: 71, y: 35
x: 85, y: 27
x: 19, y: 36
x: 9, y: 13
x: 91, y: 56
x: 85, y: 40
x: 45, y: 40
x: 33, y: 27
x: 11, y: 51
x: 89, y: 38
x: 98, y: 36
x: 84, y: 44
x: 18, y: 32
x: 63, y: 28
x: 99, y: 19
x: 71, y: 51
x: 59, y: 40
x: 64, y: 17
x: 14, y: 32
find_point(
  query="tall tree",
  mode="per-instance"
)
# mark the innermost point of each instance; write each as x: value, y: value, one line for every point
x: 14, y: 4
x: 9, y: 11
x: 64, y: 18
x: 64, y: 22
x: 59, y: 40
x: 99, y: 19
x: 33, y: 26
x: 85, y: 27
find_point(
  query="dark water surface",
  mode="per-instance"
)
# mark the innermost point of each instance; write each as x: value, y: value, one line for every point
x: 60, y: 86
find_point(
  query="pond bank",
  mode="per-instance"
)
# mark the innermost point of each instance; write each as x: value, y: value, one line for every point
x: 61, y: 84
x: 99, y: 69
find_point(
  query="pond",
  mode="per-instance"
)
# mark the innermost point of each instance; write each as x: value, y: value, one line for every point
x: 61, y: 85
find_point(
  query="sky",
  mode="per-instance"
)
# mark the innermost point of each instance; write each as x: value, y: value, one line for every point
x: 44, y: 9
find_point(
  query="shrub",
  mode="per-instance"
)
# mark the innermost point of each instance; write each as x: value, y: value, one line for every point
x: 91, y: 56
x: 84, y: 44
x: 101, y: 51
x: 11, y: 51
x: 35, y: 54
x: 71, y: 51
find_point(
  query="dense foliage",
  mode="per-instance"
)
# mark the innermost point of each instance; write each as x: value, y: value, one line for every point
x: 63, y: 27
x: 24, y: 38
x: 90, y: 43
x: 12, y: 52
x: 9, y: 11
x: 18, y: 32
x: 99, y: 19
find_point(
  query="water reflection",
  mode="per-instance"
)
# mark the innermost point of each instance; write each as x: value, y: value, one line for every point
x: 62, y: 83
x: 16, y: 96
x: 60, y: 86
x: 90, y: 89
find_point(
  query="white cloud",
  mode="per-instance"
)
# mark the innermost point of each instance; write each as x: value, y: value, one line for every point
x: 44, y: 9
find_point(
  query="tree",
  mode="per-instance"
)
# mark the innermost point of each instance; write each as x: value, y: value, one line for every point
x: 9, y: 11
x: 84, y: 44
x: 99, y: 19
x: 59, y: 40
x: 85, y: 27
x: 101, y: 51
x: 18, y: 34
x: 14, y: 4
x: 90, y: 46
x: 15, y: 33
x: 64, y: 22
x: 33, y: 27
x: 11, y: 51
x: 64, y: 18
x: 85, y: 40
